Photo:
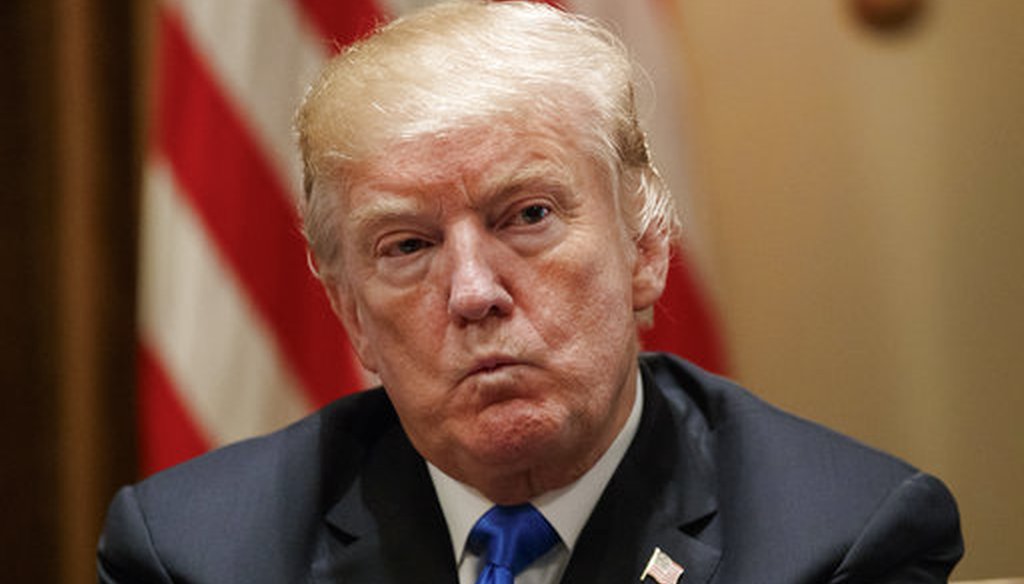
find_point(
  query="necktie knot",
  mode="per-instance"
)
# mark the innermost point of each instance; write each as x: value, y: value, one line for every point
x: 509, y: 538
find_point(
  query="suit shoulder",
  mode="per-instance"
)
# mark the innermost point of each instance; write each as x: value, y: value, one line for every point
x: 790, y: 490
x: 343, y: 427
x: 753, y: 434
x: 258, y: 494
x: 259, y: 479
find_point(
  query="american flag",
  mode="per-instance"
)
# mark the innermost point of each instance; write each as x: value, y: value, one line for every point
x: 236, y: 337
x: 662, y: 569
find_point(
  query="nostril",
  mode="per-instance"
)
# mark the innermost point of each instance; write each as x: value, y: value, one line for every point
x: 480, y: 300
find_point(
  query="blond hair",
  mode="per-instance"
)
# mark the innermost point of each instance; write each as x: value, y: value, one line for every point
x: 465, y: 64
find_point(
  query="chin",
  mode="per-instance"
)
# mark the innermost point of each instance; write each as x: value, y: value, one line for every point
x: 517, y: 435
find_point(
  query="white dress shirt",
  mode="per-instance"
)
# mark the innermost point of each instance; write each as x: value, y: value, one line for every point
x: 566, y: 509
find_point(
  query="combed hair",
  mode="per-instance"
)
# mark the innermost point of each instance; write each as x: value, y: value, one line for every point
x: 463, y: 64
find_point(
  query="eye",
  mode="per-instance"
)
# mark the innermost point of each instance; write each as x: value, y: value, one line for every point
x: 404, y: 247
x: 531, y: 214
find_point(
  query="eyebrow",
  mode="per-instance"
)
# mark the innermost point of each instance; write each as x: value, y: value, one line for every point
x: 383, y: 210
x: 542, y: 171
x: 391, y: 206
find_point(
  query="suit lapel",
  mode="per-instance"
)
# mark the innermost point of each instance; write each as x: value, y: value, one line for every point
x: 662, y: 495
x: 387, y: 527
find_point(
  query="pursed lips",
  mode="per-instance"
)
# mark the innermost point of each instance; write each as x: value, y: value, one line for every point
x: 491, y: 364
x: 495, y: 379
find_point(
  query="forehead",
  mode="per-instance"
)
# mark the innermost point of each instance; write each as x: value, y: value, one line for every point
x: 474, y: 162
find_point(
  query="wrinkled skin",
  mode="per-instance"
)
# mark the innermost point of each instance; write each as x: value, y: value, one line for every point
x: 488, y: 281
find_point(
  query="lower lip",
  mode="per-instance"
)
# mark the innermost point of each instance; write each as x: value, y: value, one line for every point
x: 497, y: 384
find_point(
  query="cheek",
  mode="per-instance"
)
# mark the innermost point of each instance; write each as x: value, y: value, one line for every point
x: 405, y: 329
x: 584, y: 307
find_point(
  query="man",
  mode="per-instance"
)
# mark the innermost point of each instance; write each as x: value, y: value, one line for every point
x: 482, y: 210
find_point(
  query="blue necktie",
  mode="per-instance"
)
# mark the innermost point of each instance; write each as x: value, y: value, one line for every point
x: 509, y: 539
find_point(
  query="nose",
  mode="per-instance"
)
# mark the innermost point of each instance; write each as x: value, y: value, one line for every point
x: 477, y: 291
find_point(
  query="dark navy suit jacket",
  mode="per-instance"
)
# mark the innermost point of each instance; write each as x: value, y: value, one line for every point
x: 732, y: 489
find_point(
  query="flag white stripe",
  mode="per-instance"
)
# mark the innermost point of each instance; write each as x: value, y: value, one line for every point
x: 218, y: 352
x: 400, y: 7
x: 248, y: 45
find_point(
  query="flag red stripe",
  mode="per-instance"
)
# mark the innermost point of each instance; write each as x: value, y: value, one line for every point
x: 248, y: 213
x: 169, y: 435
x: 342, y: 22
x: 683, y: 323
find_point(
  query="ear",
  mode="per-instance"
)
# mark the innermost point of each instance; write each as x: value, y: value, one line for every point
x: 650, y: 269
x: 346, y: 308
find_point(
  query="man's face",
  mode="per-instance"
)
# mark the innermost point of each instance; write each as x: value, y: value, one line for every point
x: 487, y: 280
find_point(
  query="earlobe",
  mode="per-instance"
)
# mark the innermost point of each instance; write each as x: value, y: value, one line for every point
x: 651, y: 268
x: 344, y: 305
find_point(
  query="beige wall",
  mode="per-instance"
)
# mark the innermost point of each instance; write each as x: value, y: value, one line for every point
x: 862, y: 200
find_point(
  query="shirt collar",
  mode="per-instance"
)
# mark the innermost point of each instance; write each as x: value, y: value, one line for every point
x: 567, y: 508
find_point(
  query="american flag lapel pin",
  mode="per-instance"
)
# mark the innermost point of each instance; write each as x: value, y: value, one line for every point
x: 662, y: 568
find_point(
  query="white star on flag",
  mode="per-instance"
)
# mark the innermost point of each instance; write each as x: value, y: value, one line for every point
x: 662, y: 569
